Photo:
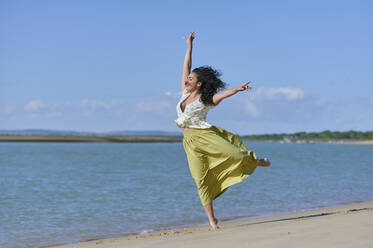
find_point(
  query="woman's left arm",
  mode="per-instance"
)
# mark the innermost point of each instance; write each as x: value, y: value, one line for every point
x: 218, y: 97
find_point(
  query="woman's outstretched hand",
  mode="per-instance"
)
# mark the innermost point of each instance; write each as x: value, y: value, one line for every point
x: 189, y: 41
x: 229, y: 92
x: 244, y: 87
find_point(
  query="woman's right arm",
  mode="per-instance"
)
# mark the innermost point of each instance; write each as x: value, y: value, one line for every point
x: 187, y: 60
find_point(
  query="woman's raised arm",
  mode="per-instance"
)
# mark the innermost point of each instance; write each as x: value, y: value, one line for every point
x: 187, y: 60
x: 218, y: 97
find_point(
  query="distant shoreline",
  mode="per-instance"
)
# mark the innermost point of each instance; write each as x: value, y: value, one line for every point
x: 39, y: 138
x: 334, y: 142
x: 49, y: 138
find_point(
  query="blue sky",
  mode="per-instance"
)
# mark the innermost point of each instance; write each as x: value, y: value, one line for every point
x: 116, y: 65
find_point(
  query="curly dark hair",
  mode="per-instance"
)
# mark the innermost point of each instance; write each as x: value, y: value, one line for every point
x: 211, y: 83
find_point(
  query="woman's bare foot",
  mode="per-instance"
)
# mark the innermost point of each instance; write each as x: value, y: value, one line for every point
x: 264, y: 162
x: 213, y: 226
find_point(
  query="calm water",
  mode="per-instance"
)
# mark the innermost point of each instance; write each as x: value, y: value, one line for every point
x: 68, y: 192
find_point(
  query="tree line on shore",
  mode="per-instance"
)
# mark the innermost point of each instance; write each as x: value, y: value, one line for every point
x: 325, y: 135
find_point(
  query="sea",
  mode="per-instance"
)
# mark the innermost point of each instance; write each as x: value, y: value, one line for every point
x: 60, y: 193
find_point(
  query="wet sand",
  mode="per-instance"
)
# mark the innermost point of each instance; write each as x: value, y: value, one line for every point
x: 341, y: 226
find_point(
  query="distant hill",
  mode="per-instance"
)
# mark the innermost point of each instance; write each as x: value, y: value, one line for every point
x: 48, y: 132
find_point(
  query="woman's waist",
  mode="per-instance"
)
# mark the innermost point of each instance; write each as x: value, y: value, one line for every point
x: 191, y: 130
x: 190, y: 125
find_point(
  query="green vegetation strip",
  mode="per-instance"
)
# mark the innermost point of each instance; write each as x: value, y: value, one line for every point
x: 325, y: 135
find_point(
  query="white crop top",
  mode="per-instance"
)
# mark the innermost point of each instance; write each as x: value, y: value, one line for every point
x: 194, y: 114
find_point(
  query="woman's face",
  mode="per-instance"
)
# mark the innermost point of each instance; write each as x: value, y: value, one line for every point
x: 192, y: 83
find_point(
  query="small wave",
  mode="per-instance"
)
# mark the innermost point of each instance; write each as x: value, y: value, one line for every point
x: 147, y: 231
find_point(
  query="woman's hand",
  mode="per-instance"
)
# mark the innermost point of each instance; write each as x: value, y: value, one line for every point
x: 244, y: 87
x: 189, y: 41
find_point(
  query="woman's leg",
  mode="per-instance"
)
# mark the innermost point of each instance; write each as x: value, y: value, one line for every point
x: 210, y: 214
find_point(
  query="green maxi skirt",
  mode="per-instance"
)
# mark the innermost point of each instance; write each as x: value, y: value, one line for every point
x: 217, y: 159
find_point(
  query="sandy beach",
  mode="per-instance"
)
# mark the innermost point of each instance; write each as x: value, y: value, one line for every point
x: 341, y: 226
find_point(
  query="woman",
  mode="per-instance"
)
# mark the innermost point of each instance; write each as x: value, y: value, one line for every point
x: 217, y: 158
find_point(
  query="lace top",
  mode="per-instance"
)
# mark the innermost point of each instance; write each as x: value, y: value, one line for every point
x: 194, y: 114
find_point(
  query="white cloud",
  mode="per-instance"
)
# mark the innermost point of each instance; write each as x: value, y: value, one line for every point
x: 153, y: 106
x: 114, y: 106
x: 269, y: 110
x: 9, y: 108
x: 321, y: 101
x: 99, y: 104
x: 95, y: 104
x: 34, y: 105
x: 252, y: 109
x: 175, y: 94
x: 290, y: 94
x: 54, y: 114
